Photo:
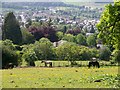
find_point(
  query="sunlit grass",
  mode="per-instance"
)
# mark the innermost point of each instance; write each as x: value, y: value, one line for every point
x: 58, y: 77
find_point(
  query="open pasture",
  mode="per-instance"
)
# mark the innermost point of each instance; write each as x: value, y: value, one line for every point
x: 61, y: 77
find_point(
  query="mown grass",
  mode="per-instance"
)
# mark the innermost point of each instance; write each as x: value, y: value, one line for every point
x: 60, y: 77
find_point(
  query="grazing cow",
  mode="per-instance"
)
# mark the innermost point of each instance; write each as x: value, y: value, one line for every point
x: 94, y: 63
x: 47, y: 62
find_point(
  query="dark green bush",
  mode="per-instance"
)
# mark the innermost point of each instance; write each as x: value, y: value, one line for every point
x: 105, y: 53
x: 9, y: 54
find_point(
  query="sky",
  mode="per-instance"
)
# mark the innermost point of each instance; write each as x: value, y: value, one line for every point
x: 56, y: 0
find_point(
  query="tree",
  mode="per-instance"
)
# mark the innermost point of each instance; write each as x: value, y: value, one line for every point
x: 43, y: 49
x: 109, y: 25
x: 27, y: 37
x: 72, y: 52
x: 8, y: 53
x: 29, y: 55
x: 116, y: 55
x: 11, y: 29
x: 74, y: 32
x: 44, y: 30
x: 64, y: 29
x: 67, y: 51
x: 69, y: 38
x: 60, y: 35
x: 91, y: 41
x: 80, y: 39
x: 29, y: 23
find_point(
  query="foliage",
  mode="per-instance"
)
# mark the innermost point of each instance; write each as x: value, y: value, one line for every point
x: 29, y: 56
x: 44, y: 30
x: 66, y: 52
x: 69, y: 38
x: 11, y: 29
x: 105, y: 53
x: 71, y: 52
x: 91, y: 41
x: 94, y: 53
x: 40, y: 50
x: 9, y: 54
x: 27, y: 37
x: 80, y: 39
x: 116, y: 55
x: 60, y: 35
x: 76, y: 31
x: 29, y: 23
x: 43, y: 49
x: 109, y: 25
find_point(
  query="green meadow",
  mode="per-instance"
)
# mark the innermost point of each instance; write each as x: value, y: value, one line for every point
x: 61, y: 77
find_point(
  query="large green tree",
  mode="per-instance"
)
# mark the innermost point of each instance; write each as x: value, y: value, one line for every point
x: 109, y: 25
x: 11, y: 29
x: 43, y: 49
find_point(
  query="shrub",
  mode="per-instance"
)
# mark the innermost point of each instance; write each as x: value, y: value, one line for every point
x: 105, y: 53
x: 29, y: 54
x: 9, y: 54
x: 116, y: 56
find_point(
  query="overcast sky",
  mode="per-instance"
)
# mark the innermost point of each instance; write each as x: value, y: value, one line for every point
x: 56, y: 0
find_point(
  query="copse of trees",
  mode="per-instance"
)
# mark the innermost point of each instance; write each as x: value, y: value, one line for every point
x: 45, y: 30
x: 40, y: 50
x: 72, y: 52
x: 11, y: 29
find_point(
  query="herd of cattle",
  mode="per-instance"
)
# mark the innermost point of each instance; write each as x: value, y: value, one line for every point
x: 93, y: 63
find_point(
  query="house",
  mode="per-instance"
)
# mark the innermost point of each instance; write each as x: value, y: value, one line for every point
x: 59, y: 43
x: 88, y: 34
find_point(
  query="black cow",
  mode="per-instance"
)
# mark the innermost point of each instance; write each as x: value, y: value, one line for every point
x: 94, y: 63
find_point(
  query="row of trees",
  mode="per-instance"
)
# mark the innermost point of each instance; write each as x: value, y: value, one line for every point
x: 44, y: 50
x: 81, y: 39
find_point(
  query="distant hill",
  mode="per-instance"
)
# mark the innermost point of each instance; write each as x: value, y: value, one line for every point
x: 88, y: 0
x: 90, y: 3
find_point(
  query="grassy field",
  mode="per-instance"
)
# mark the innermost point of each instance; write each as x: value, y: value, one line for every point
x: 60, y: 77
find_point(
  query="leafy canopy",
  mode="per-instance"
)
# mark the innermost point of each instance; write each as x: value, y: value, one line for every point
x: 109, y: 25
